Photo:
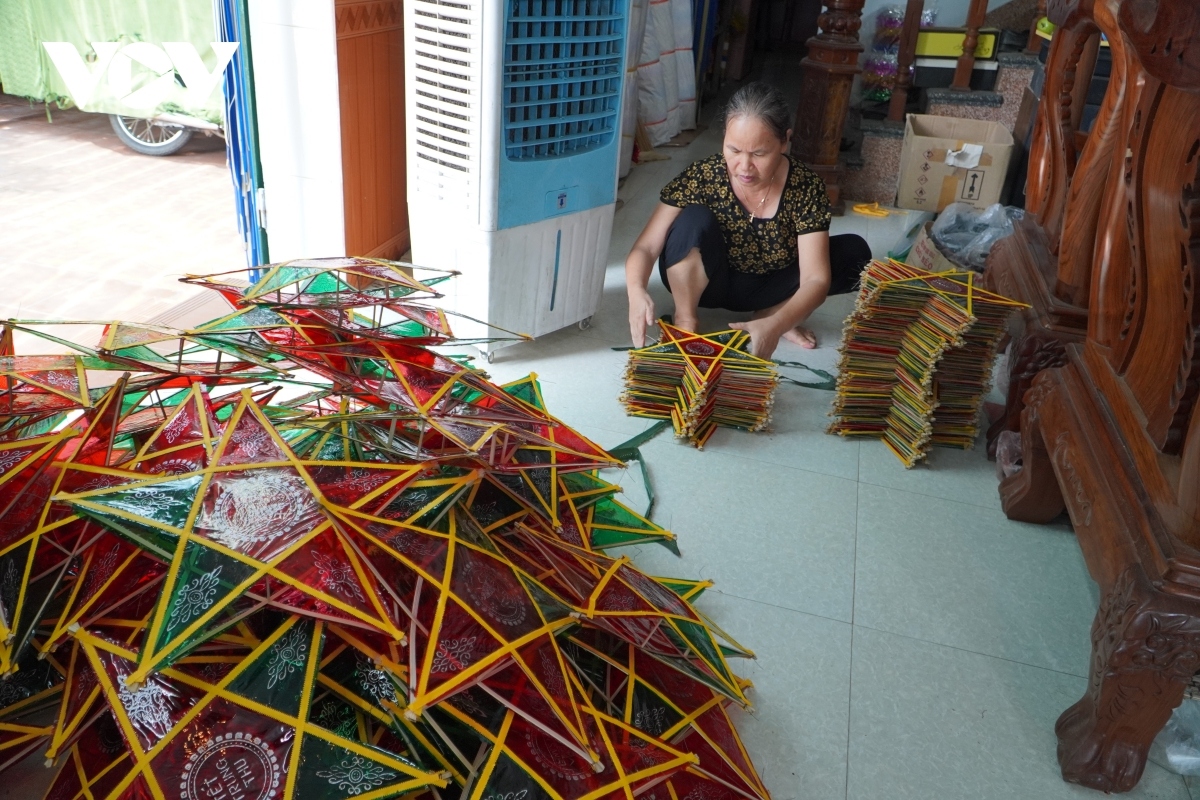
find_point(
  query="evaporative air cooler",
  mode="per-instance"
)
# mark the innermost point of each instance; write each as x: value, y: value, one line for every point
x: 514, y: 111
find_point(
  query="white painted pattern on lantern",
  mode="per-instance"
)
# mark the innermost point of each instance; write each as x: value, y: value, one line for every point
x: 10, y: 458
x: 552, y: 676
x: 147, y: 501
x: 253, y: 442
x: 63, y: 380
x: 618, y: 598
x: 12, y: 692
x: 495, y: 597
x: 557, y: 758
x: 651, y: 720
x: 193, y: 598
x: 356, y: 775
x: 365, y: 480
x: 147, y: 706
x: 256, y: 507
x: 287, y: 656
x: 102, y: 482
x: 338, y: 718
x: 101, y: 570
x: 467, y: 704
x: 454, y: 654
x: 175, y: 466
x: 336, y: 575
x: 375, y: 682
x: 520, y: 795
x: 177, y: 425
x: 703, y: 790
x: 10, y: 584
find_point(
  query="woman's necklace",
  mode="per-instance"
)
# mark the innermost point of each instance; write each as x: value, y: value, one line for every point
x: 757, y: 212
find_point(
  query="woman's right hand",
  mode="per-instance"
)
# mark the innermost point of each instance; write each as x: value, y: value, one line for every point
x: 639, y: 266
x: 641, y: 315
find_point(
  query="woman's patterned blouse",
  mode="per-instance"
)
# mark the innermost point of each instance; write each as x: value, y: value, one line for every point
x: 760, y: 245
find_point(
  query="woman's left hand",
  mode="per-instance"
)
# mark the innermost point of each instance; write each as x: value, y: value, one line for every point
x: 764, y: 334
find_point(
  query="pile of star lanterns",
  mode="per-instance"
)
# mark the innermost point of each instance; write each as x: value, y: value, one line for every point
x: 296, y: 553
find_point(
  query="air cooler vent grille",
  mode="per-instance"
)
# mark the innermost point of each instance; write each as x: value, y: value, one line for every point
x: 444, y: 68
x: 562, y: 76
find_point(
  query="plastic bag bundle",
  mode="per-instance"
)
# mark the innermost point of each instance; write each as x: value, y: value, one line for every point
x: 929, y: 15
x: 879, y: 76
x: 968, y: 234
x: 1177, y: 746
x: 889, y: 24
x: 880, y: 66
x: 1008, y: 454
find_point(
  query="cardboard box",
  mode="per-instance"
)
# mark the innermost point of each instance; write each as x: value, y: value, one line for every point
x: 946, y: 160
x: 928, y: 256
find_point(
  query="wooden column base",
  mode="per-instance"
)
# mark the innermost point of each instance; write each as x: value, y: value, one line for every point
x: 827, y: 73
x: 832, y: 175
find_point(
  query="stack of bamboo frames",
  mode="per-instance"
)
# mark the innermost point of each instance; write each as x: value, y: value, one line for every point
x: 916, y: 359
x: 295, y: 552
x: 700, y: 382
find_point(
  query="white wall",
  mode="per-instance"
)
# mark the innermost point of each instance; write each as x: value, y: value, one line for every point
x: 294, y: 47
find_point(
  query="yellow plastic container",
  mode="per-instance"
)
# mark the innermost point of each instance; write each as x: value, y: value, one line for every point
x: 948, y: 42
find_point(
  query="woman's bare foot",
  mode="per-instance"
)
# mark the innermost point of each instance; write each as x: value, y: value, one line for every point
x: 689, y: 324
x: 801, y: 336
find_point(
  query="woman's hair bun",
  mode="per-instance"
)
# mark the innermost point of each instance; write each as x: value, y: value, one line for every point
x: 761, y: 101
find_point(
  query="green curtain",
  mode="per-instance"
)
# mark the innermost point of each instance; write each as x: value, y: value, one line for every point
x: 27, y: 71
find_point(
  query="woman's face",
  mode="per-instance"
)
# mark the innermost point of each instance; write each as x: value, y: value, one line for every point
x: 752, y: 151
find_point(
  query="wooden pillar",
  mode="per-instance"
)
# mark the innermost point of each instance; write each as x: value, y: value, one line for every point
x: 966, y: 62
x: 904, y: 61
x: 827, y: 74
x: 370, y: 55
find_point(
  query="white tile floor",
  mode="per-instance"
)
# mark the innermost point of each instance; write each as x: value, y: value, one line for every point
x: 911, y: 641
x: 93, y: 230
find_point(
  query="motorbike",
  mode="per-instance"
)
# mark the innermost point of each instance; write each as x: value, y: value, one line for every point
x: 162, y: 135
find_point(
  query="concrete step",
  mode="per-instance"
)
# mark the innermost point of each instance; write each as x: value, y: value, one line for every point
x: 871, y: 176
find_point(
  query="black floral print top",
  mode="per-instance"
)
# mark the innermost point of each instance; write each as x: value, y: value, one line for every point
x: 756, y: 246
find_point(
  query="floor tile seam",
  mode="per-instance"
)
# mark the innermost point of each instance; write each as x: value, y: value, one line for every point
x: 853, y: 604
x: 861, y: 480
x: 849, y: 709
x: 786, y: 466
x: 813, y: 614
x: 969, y: 651
x: 854, y: 555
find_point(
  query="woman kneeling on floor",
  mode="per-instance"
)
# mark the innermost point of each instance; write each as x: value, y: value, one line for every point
x: 746, y: 229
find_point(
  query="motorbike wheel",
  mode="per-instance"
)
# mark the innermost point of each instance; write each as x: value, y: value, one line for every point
x: 149, y: 137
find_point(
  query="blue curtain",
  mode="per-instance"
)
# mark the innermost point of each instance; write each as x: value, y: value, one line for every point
x: 241, y: 132
x: 704, y: 32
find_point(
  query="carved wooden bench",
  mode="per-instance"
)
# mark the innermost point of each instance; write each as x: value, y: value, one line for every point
x: 1047, y: 263
x: 1113, y: 435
